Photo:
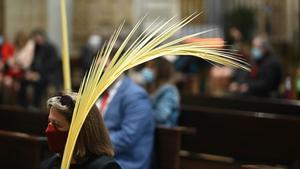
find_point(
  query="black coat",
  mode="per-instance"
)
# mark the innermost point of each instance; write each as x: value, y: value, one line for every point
x: 46, y: 62
x: 94, y: 162
x: 267, y: 79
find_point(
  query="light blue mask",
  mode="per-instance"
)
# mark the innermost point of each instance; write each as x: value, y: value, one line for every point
x: 148, y: 75
x: 256, y: 53
x: 1, y: 40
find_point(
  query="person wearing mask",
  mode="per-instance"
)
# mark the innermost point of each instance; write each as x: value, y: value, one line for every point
x: 265, y: 76
x: 93, y: 149
x: 127, y: 112
x: 90, y: 50
x: 165, y: 95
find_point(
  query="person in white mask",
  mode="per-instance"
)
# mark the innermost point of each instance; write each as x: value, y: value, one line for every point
x: 94, y: 43
x: 265, y: 76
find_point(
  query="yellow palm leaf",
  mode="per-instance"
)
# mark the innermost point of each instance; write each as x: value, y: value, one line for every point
x: 149, y: 45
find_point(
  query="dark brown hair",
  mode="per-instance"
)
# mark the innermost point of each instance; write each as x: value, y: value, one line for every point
x: 93, y: 138
x: 164, y: 71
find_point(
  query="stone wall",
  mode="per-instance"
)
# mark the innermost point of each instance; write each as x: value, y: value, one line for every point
x: 99, y: 16
x: 24, y: 16
x: 1, y: 17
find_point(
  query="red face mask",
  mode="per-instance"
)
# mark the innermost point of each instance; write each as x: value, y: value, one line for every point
x: 56, y: 139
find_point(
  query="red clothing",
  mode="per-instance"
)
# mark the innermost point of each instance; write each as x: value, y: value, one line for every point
x: 7, y: 51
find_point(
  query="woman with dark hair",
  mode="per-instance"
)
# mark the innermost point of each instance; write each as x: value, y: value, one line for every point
x: 165, y: 96
x: 93, y: 149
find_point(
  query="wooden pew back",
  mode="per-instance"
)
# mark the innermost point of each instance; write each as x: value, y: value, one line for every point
x: 274, y: 106
x: 25, y: 149
x: 22, y: 138
x: 20, y: 150
x: 168, y: 146
x: 22, y: 120
x: 244, y: 135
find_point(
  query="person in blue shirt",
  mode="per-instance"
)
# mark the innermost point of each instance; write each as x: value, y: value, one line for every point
x: 165, y: 96
x: 129, y: 118
x: 127, y: 113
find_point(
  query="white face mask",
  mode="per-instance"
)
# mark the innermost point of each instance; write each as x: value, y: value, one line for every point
x: 95, y: 41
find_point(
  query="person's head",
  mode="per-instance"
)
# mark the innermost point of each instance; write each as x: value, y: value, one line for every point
x: 93, y: 138
x: 235, y: 33
x: 260, y: 47
x: 39, y: 36
x: 94, y: 41
x: 163, y: 70
x: 20, y: 40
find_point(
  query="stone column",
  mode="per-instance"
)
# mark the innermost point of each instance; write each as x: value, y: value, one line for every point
x: 54, y: 23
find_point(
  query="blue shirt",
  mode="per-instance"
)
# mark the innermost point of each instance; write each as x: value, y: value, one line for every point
x: 166, y: 105
x: 129, y: 119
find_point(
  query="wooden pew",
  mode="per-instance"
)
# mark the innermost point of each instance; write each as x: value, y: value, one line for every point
x: 274, y: 106
x: 168, y: 146
x: 28, y: 147
x: 22, y: 120
x: 244, y: 135
x: 22, y: 138
x: 20, y: 150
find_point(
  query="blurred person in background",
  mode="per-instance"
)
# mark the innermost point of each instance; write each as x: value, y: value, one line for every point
x: 219, y: 80
x: 298, y: 83
x: 7, y: 52
x: 164, y: 94
x: 265, y: 76
x: 44, y: 70
x: 1, y: 43
x: 90, y: 50
x: 17, y: 64
x: 194, y: 74
x: 239, y: 46
x: 143, y: 74
x: 24, y: 50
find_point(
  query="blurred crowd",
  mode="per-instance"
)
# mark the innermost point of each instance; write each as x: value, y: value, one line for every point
x: 145, y: 96
x: 30, y: 66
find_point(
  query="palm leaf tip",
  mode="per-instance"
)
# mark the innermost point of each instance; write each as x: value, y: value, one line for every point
x: 148, y: 45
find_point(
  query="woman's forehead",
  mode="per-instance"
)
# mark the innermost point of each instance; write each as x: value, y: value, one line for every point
x: 54, y: 114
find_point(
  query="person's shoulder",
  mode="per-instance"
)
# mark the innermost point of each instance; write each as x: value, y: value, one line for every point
x: 272, y: 59
x: 50, y: 162
x: 169, y: 89
x: 130, y: 87
x: 103, y: 162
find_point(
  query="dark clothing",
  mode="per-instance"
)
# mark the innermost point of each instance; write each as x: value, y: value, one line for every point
x: 94, y: 162
x: 87, y: 56
x: 46, y: 64
x: 265, y: 77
